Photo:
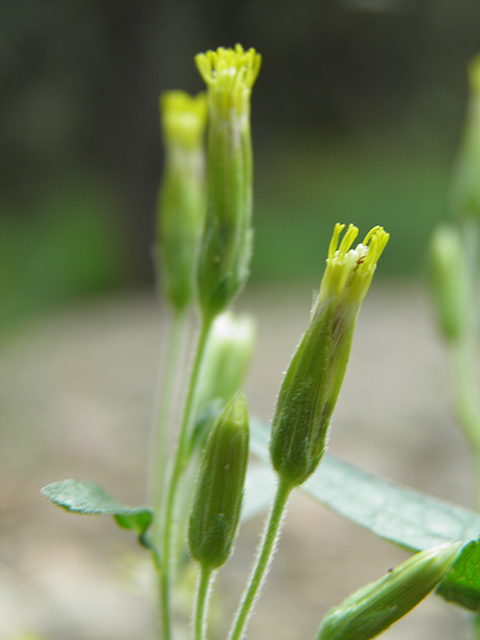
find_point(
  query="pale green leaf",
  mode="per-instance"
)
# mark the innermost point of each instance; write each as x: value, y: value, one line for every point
x: 87, y: 498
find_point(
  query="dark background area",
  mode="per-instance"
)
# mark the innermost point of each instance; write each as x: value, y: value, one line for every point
x: 356, y: 113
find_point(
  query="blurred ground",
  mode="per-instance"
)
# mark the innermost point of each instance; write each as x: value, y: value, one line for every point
x: 75, y: 401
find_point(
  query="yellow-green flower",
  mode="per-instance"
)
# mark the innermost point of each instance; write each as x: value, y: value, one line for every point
x: 181, y: 205
x: 183, y: 118
x: 349, y: 272
x: 230, y: 75
x: 226, y: 246
x: 312, y: 383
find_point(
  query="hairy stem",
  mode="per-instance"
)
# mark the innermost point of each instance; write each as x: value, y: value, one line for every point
x: 168, y: 552
x: 263, y: 560
x: 165, y: 414
x: 201, y: 603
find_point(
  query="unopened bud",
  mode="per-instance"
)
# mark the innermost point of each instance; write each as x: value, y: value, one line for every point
x: 227, y: 358
x: 217, y: 503
x: 181, y: 205
x: 312, y: 383
x: 449, y: 278
x: 226, y: 246
x: 373, y: 608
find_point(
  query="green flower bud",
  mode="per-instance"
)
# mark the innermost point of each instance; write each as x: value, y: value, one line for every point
x: 216, y: 506
x: 448, y: 272
x: 465, y: 196
x: 375, y: 607
x: 227, y: 358
x: 226, y: 246
x: 181, y: 204
x: 313, y: 380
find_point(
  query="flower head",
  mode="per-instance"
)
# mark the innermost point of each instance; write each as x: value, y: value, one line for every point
x: 349, y: 272
x: 230, y: 75
x: 184, y: 118
x: 226, y: 246
x: 181, y: 202
x: 313, y: 380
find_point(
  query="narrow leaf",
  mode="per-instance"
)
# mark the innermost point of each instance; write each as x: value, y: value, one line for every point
x: 412, y: 520
x: 87, y: 498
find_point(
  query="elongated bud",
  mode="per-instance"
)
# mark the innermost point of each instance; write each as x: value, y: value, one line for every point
x: 373, y: 608
x: 218, y: 498
x: 227, y: 358
x: 226, y: 245
x: 465, y: 195
x: 181, y: 204
x: 313, y: 380
x: 448, y: 272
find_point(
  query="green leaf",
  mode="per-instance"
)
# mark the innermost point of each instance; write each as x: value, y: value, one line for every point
x: 462, y: 584
x: 87, y: 498
x: 412, y: 520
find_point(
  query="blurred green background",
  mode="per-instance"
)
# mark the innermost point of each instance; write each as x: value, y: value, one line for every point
x: 357, y: 114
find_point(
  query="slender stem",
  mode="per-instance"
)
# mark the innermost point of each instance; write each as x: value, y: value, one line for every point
x: 263, y: 560
x: 466, y: 398
x: 470, y: 236
x: 162, y: 432
x: 177, y: 471
x: 201, y: 603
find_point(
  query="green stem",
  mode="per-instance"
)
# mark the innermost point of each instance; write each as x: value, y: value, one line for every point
x: 466, y: 399
x: 163, y: 430
x: 263, y: 560
x: 201, y: 603
x: 177, y: 471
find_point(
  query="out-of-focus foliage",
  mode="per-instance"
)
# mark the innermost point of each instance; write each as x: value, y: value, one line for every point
x: 300, y: 197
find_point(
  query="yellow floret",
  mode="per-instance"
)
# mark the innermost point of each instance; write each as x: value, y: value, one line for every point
x: 230, y: 75
x: 184, y: 117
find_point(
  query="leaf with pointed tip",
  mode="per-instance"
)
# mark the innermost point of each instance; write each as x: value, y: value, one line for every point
x: 409, y: 519
x: 87, y: 498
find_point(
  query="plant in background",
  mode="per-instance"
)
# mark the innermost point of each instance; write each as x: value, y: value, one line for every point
x: 181, y: 200
x: 455, y: 279
x: 203, y: 430
x: 455, y: 274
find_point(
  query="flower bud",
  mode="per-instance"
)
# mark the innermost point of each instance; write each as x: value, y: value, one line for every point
x: 227, y: 358
x: 216, y: 506
x: 373, y: 608
x: 465, y: 196
x: 448, y: 274
x: 312, y: 383
x: 181, y: 204
x: 226, y: 246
